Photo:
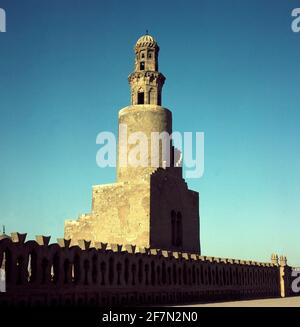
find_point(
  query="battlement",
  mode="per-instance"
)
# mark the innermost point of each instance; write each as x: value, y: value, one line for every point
x: 40, y: 272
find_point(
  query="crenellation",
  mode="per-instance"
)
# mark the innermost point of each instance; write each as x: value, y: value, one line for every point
x: 116, y: 248
x: 42, y: 240
x: 130, y: 248
x: 185, y: 256
x: 194, y: 257
x: 18, y: 237
x: 84, y: 244
x: 114, y: 268
x: 63, y: 243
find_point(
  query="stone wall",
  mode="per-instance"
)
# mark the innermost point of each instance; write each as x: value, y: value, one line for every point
x: 108, y: 274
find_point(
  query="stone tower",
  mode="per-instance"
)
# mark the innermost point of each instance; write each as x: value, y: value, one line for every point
x: 150, y: 205
x: 146, y: 81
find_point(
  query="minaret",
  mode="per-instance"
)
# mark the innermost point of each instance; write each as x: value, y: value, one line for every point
x: 146, y: 81
x: 150, y: 205
x: 145, y: 114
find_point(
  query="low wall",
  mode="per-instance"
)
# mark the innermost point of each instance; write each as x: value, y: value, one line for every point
x: 37, y: 273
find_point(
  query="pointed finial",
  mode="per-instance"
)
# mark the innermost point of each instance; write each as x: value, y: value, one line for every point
x: 3, y: 229
x: 147, y: 32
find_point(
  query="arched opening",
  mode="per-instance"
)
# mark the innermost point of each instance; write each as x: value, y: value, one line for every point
x: 152, y: 98
x: 76, y: 268
x: 67, y: 271
x: 179, y: 229
x: 174, y: 275
x: 126, y: 271
x: 164, y: 274
x: 103, y: 272
x: 173, y: 228
x: 133, y: 271
x: 111, y: 270
x: 140, y: 271
x: 152, y: 273
x: 141, y: 97
x: 56, y: 268
x: 32, y: 267
x: 119, y: 269
x: 86, y: 267
x: 20, y: 269
x: 94, y: 269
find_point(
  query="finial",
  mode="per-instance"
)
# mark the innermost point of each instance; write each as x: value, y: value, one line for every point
x: 3, y: 229
x: 147, y: 32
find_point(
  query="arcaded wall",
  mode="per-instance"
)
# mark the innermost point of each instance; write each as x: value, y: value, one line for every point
x: 110, y: 275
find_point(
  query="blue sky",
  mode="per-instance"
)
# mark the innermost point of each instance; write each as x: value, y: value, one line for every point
x: 232, y: 71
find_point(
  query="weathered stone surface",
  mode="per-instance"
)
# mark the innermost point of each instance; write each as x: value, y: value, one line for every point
x: 149, y: 205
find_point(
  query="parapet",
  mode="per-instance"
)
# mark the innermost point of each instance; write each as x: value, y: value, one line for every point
x: 85, y: 245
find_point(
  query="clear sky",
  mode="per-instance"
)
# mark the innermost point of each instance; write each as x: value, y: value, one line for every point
x: 232, y: 71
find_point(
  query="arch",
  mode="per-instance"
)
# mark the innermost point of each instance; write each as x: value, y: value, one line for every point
x: 174, y: 274
x: 169, y: 276
x: 179, y: 229
x: 225, y: 282
x: 185, y: 274
x: 147, y: 274
x: 86, y: 267
x: 103, y: 272
x: 133, y: 272
x: 94, y: 269
x: 152, y: 273
x: 209, y: 276
x: 76, y: 268
x: 141, y: 96
x: 7, y: 263
x: 173, y: 228
x: 111, y: 270
x: 152, y: 96
x: 140, y: 271
x: 119, y: 270
x: 179, y: 276
x: 193, y: 275
x: 164, y: 274
x: 32, y: 267
x: 201, y: 275
x: 67, y: 271
x: 56, y: 268
x: 217, y: 282
x: 20, y: 269
x: 126, y: 271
